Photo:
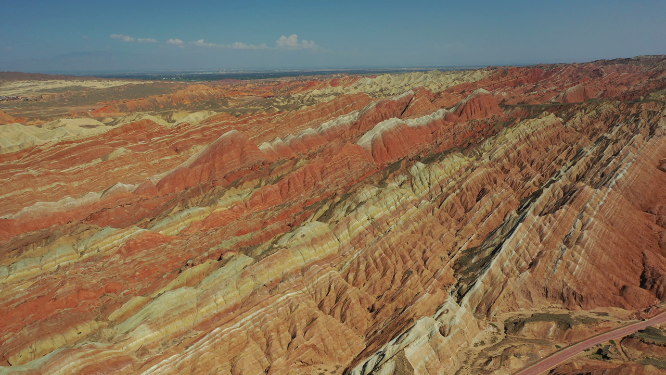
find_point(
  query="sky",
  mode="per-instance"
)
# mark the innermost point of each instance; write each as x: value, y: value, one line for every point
x: 60, y: 36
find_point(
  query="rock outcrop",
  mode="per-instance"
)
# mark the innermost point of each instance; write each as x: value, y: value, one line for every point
x: 6, y: 118
x: 419, y: 223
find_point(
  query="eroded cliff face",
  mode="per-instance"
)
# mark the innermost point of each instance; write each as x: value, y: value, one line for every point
x: 391, y: 225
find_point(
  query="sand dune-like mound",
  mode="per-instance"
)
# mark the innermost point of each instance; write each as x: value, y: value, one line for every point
x: 15, y: 137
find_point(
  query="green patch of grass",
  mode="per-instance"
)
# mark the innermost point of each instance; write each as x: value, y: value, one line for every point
x: 563, y: 321
x: 466, y: 257
x: 328, y: 215
x: 473, y: 261
x: 651, y: 335
x: 499, y: 125
x: 428, y: 159
x: 660, y: 364
x: 388, y: 172
x: 586, y: 320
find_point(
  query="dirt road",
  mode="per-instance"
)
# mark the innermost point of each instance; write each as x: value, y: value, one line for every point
x: 568, y: 352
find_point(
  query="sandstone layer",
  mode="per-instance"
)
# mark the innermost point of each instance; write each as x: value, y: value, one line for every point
x: 426, y: 223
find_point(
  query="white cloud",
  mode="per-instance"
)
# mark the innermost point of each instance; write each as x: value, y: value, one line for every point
x: 284, y: 43
x: 236, y: 45
x: 292, y: 43
x: 124, y: 38
x: 239, y: 45
x: 201, y: 43
x: 127, y: 38
x: 176, y: 42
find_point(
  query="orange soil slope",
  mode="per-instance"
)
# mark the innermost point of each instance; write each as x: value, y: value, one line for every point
x: 360, y: 234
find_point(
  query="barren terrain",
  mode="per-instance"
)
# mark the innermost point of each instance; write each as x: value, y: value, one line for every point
x: 463, y: 222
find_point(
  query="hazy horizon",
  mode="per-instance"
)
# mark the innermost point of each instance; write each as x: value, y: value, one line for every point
x: 48, y: 37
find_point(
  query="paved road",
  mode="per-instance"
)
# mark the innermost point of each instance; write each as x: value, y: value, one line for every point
x: 564, y: 354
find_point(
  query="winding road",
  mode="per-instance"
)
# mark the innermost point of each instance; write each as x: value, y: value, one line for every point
x: 568, y: 352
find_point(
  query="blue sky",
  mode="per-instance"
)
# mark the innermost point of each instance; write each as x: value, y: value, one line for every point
x: 144, y: 35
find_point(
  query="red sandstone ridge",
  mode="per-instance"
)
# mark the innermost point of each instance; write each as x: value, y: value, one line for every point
x: 232, y: 152
x: 421, y: 104
x: 189, y: 95
x: 392, y: 139
x: 480, y: 104
x: 6, y: 119
x: 575, y: 94
x: 389, y: 224
x: 107, y: 110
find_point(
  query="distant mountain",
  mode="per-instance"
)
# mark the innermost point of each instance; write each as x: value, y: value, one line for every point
x: 20, y: 76
x: 86, y: 61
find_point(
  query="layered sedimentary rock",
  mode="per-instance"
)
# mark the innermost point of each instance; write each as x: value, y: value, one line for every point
x: 6, y: 119
x: 193, y: 93
x: 422, y: 223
